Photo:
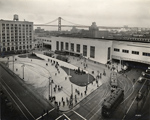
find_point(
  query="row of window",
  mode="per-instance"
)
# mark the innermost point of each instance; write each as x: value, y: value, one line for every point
x: 15, y: 25
x: 16, y: 48
x: 133, y: 52
x: 78, y: 48
x: 44, y: 40
x: 16, y: 43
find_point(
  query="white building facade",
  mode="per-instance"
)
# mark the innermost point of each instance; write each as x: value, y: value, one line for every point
x: 100, y: 50
x: 94, y: 49
x: 131, y: 51
x: 15, y: 35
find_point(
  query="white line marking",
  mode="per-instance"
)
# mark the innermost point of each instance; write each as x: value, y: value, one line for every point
x: 79, y: 115
x: 129, y: 108
x: 95, y: 113
x: 15, y: 102
x: 133, y: 101
x: 59, y: 117
x: 67, y: 117
x: 45, y: 114
x: 18, y: 99
x: 129, y: 95
x: 142, y: 85
x: 98, y: 105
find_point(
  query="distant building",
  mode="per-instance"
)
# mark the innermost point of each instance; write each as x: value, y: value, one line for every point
x: 74, y: 30
x: 95, y: 33
x: 39, y: 30
x: 15, y: 36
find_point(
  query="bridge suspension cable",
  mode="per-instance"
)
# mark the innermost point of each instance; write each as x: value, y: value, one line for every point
x: 51, y: 21
x: 72, y: 22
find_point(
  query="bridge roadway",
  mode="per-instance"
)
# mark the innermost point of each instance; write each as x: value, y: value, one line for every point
x: 26, y: 100
x: 79, y: 26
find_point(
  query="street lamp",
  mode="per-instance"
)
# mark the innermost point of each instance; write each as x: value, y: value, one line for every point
x: 0, y: 51
x: 50, y: 86
x: 69, y: 56
x: 13, y: 64
x: 71, y: 97
x: 8, y: 61
x: 23, y: 69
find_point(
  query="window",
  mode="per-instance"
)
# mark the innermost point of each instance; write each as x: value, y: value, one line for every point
x: 125, y: 51
x: 84, y: 50
x: 109, y: 53
x: 78, y: 47
x: 146, y: 54
x: 135, y: 52
x: 57, y: 45
x: 92, y: 51
x: 116, y: 49
x: 66, y: 46
x: 62, y: 45
x: 72, y: 47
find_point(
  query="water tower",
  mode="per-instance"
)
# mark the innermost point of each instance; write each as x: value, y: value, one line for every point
x: 16, y: 18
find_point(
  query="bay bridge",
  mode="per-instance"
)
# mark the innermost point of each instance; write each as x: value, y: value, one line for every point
x: 60, y: 19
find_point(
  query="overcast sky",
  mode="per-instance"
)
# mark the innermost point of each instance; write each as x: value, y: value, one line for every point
x: 134, y: 13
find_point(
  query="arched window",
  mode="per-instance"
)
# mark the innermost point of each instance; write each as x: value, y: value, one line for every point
x: 12, y: 48
x: 8, y: 48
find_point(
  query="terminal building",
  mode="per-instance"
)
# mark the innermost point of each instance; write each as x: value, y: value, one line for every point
x: 100, y: 50
x: 15, y: 36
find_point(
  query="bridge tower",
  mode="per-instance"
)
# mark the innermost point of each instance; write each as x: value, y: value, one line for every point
x: 59, y: 24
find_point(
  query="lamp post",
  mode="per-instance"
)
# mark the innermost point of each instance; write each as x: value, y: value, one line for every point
x: 8, y: 61
x: 50, y: 86
x: 71, y: 97
x: 69, y: 56
x: 13, y: 64
x: 23, y: 69
x: 0, y: 51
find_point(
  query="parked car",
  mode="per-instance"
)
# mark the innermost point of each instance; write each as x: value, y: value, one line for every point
x: 139, y: 96
x: 141, y: 79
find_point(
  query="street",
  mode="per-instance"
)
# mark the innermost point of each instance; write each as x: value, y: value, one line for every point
x: 31, y: 105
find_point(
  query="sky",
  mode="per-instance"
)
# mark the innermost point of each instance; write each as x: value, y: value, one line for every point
x: 134, y: 13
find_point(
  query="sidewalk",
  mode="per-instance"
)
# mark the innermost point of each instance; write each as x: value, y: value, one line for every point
x: 37, y: 74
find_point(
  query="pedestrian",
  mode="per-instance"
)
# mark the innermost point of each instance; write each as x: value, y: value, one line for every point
x: 85, y: 92
x: 62, y: 99
x: 63, y: 103
x: 76, y: 100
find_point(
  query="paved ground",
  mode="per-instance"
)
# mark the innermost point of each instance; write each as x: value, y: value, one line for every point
x: 28, y: 101
x: 90, y: 107
x: 36, y: 73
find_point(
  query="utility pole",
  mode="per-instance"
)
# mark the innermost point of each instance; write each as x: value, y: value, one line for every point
x: 49, y: 89
x: 50, y: 85
x: 8, y: 61
x: 23, y: 69
x: 69, y: 56
x: 72, y: 93
x: 13, y: 64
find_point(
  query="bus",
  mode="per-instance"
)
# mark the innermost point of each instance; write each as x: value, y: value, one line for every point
x: 112, y: 101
